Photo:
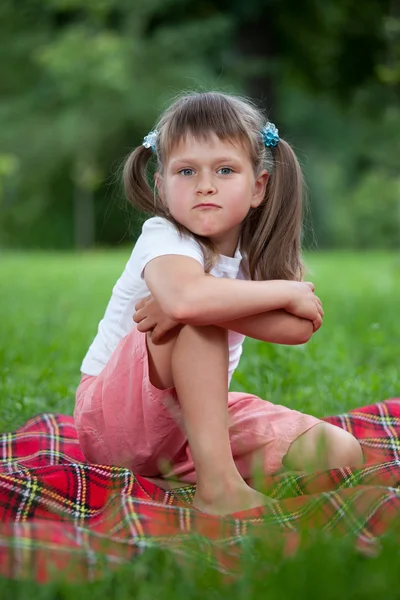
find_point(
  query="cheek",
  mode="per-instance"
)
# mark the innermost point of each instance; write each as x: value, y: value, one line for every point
x: 176, y: 192
x: 240, y: 201
x: 241, y: 193
x: 239, y: 212
x: 179, y: 185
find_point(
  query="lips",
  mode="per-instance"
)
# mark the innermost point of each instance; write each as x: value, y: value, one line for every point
x: 206, y: 205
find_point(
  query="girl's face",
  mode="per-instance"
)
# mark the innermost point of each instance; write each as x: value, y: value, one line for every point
x: 209, y: 187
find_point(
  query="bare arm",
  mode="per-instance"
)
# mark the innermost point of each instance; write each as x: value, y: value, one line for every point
x: 276, y: 326
x: 181, y: 293
x: 187, y: 295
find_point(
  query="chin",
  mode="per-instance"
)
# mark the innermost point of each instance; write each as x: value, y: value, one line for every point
x: 208, y: 233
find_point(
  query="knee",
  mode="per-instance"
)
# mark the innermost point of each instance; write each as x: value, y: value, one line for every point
x: 343, y: 449
x: 324, y: 446
x: 353, y: 451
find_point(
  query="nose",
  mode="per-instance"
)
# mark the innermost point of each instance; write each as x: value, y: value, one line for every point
x: 205, y: 186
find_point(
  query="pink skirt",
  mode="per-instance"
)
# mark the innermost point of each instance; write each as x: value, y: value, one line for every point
x: 123, y: 420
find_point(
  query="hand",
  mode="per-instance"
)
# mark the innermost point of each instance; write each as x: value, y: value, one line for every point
x: 305, y: 304
x: 150, y: 317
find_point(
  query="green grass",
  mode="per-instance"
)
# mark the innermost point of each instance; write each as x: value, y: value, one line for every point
x: 50, y: 307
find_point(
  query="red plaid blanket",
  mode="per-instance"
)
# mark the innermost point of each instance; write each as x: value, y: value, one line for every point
x: 56, y: 511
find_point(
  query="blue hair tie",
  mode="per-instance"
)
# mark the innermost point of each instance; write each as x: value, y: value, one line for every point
x: 150, y: 140
x: 270, y: 135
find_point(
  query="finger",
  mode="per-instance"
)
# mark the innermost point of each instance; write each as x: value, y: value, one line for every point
x: 138, y: 316
x: 319, y: 302
x: 140, y: 305
x: 317, y: 324
x: 141, y: 326
x: 158, y: 333
x: 155, y: 335
x: 145, y: 325
x: 142, y: 302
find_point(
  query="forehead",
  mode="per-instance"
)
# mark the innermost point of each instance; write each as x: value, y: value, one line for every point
x: 207, y: 146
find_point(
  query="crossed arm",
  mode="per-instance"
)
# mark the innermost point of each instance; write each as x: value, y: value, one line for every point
x: 160, y: 312
x: 277, y: 326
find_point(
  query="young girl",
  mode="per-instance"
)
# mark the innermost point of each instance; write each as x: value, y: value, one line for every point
x: 219, y: 260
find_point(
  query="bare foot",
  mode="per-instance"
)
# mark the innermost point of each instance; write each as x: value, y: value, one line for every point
x: 167, y: 484
x: 232, y: 500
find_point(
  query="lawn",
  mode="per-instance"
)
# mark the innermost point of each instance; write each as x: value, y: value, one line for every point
x: 50, y: 306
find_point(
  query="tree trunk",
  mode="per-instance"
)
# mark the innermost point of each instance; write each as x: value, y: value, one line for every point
x: 256, y: 40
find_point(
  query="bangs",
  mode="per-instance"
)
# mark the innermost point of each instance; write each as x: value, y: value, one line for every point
x: 201, y: 115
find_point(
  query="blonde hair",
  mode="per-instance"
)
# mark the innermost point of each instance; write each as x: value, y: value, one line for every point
x: 270, y: 233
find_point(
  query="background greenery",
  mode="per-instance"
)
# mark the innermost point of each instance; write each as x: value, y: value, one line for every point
x: 83, y: 81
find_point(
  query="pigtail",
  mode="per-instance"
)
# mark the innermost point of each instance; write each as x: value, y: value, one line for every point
x: 271, y: 233
x: 136, y: 183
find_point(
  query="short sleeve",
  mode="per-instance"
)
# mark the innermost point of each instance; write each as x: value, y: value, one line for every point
x: 159, y: 237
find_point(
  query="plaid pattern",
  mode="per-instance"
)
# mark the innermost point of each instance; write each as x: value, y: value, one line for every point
x: 58, y: 513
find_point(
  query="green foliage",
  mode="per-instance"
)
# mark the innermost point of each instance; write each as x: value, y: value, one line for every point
x: 373, y: 213
x: 324, y: 569
x: 351, y: 167
x: 101, y: 73
x: 82, y: 82
x: 389, y: 72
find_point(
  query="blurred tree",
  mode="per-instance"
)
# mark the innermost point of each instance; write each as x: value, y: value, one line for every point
x: 330, y: 47
x: 333, y: 83
x: 82, y: 83
x: 89, y: 73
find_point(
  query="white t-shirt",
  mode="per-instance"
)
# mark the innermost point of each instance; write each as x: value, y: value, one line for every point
x: 159, y: 237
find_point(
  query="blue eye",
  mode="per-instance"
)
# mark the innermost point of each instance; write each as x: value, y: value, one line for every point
x: 186, y: 172
x: 226, y: 170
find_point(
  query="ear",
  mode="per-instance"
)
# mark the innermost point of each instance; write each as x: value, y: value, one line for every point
x: 259, y: 188
x: 158, y: 180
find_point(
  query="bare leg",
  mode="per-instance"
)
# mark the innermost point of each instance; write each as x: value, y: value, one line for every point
x: 199, y: 371
x: 324, y: 446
